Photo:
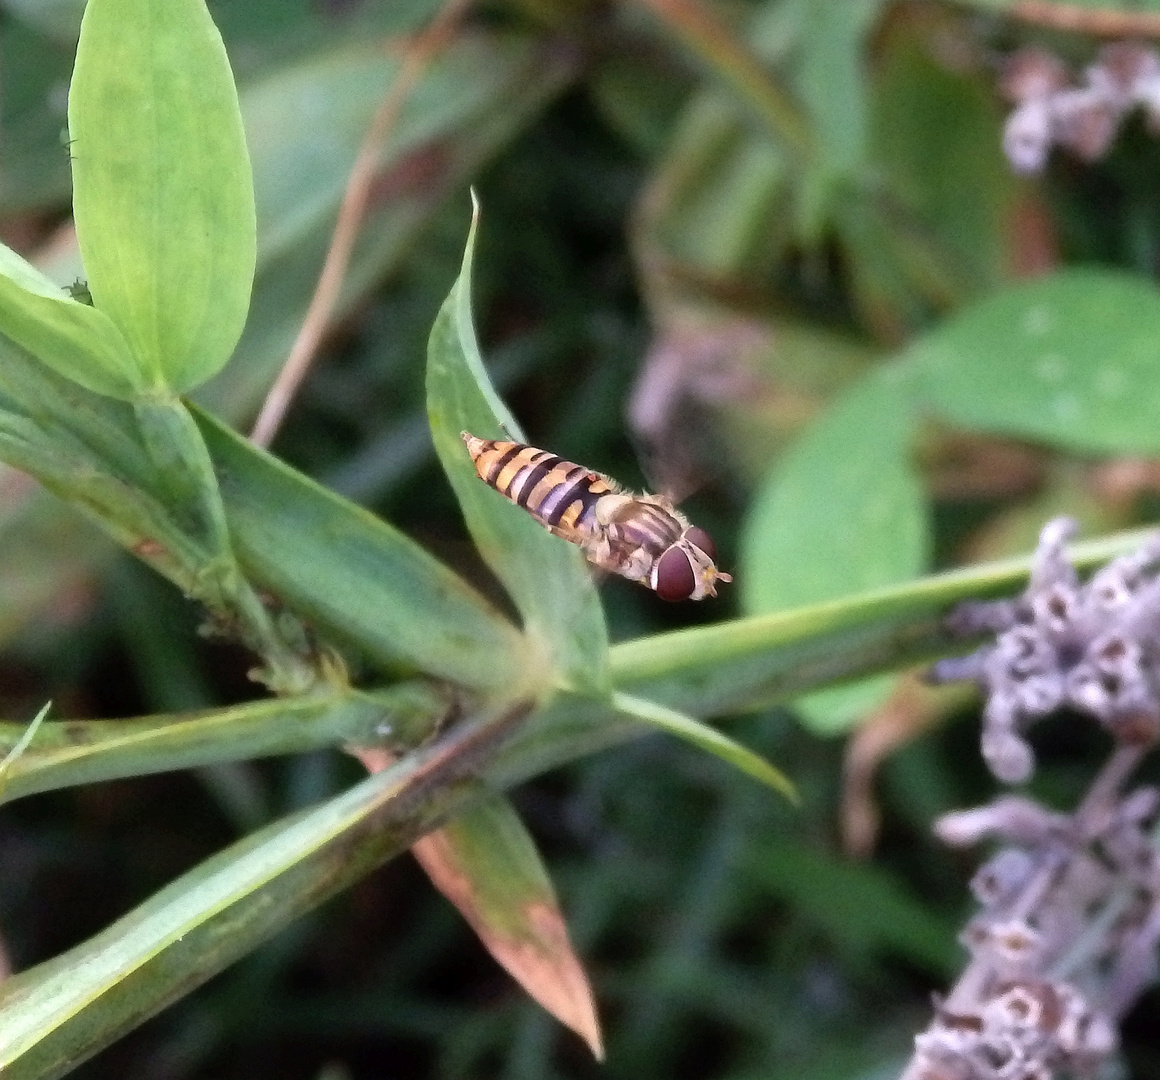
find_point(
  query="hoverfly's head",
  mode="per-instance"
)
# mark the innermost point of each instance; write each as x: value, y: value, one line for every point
x: 686, y: 570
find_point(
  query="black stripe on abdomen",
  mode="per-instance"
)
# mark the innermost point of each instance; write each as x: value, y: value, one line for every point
x: 496, y: 467
x: 582, y: 490
x: 535, y: 474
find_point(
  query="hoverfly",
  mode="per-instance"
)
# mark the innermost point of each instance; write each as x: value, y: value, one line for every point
x: 641, y: 537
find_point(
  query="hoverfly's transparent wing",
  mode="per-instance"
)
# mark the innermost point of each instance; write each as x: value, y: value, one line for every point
x: 688, y: 372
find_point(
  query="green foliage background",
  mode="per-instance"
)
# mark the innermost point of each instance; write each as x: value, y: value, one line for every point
x: 832, y: 215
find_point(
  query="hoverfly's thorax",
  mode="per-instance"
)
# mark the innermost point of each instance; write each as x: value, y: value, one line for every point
x: 645, y: 523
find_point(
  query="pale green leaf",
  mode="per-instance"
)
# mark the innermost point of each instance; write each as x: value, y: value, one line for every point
x: 546, y: 576
x: 843, y: 512
x: 72, y: 338
x: 1070, y: 359
x: 162, y: 192
x: 67, y: 753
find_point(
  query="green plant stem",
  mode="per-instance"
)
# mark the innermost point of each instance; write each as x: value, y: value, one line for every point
x: 59, y: 1013
x: 190, y: 491
x: 70, y: 752
x: 744, y: 664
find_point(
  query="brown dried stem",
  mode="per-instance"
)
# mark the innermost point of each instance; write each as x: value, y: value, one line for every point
x: 1096, y: 22
x: 420, y: 52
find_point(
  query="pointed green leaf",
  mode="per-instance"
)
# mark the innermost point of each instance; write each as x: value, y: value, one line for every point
x: 486, y: 863
x: 546, y: 576
x: 21, y: 744
x: 162, y: 192
x: 72, y: 338
x: 705, y: 738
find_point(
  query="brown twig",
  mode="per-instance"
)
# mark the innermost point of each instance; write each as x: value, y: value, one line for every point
x: 1098, y: 22
x: 420, y: 51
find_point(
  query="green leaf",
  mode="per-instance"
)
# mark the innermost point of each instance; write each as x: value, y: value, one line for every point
x: 355, y: 576
x: 830, y: 72
x: 705, y: 738
x: 55, y: 1015
x: 1070, y: 359
x: 74, y: 339
x: 162, y: 193
x: 486, y: 863
x: 843, y: 512
x: 547, y: 577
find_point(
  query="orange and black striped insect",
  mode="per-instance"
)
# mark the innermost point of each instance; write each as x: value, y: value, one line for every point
x: 641, y: 537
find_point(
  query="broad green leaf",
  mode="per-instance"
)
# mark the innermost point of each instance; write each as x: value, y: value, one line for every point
x: 546, y: 576
x: 705, y: 738
x: 162, y: 192
x: 55, y: 1015
x: 353, y: 574
x: 486, y: 863
x: 66, y: 753
x: 1070, y: 359
x: 74, y: 339
x: 843, y: 512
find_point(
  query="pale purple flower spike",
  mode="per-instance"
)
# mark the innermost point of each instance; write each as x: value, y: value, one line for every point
x: 1091, y: 647
x: 1066, y: 935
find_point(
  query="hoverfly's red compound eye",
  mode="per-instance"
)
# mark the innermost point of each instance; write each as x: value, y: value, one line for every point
x: 675, y: 577
x: 701, y: 539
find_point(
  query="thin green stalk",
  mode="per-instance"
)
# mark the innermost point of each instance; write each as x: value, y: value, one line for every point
x: 67, y: 753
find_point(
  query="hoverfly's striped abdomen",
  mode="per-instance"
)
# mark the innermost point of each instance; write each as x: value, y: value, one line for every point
x: 560, y: 494
x: 641, y: 537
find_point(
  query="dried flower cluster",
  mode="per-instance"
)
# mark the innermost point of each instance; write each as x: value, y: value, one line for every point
x: 1051, y: 111
x: 1066, y: 937
x: 1094, y: 648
